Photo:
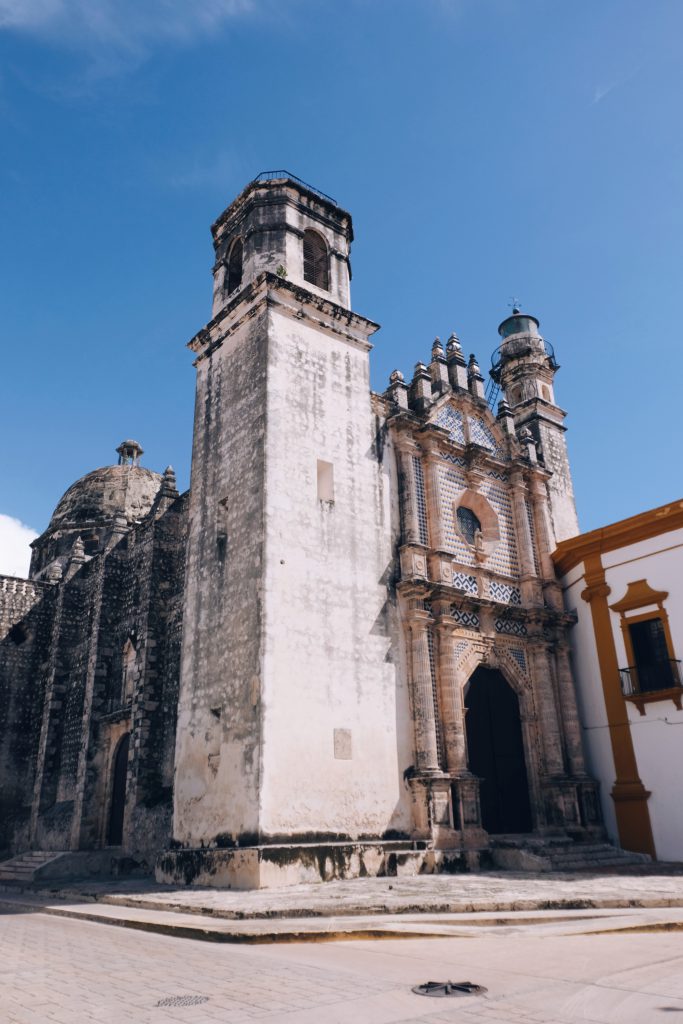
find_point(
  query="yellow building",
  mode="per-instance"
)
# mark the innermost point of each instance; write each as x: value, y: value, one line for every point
x: 625, y: 583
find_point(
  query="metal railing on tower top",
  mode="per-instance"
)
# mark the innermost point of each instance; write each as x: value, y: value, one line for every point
x: 275, y: 175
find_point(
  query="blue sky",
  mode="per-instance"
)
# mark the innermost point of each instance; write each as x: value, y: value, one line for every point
x: 486, y: 148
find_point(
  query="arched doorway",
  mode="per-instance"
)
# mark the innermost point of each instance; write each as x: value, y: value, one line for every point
x: 117, y: 806
x: 496, y: 752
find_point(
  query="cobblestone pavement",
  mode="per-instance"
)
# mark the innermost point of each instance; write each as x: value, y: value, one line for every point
x: 56, y: 971
x: 433, y: 893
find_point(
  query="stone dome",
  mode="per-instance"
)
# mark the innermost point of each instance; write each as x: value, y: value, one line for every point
x: 98, y: 496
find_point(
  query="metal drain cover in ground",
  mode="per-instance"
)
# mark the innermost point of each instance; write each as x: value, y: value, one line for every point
x: 183, y: 1000
x: 449, y: 988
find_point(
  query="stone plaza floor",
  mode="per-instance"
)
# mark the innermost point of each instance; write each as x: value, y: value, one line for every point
x: 556, y: 969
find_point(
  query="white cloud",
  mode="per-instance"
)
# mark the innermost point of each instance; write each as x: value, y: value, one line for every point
x: 129, y: 25
x: 15, y: 553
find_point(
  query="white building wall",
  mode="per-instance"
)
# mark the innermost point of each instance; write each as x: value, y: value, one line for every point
x: 335, y: 705
x: 592, y: 711
x: 658, y: 734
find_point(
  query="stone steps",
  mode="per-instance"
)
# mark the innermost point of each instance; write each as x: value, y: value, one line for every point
x: 24, y: 866
x: 556, y: 854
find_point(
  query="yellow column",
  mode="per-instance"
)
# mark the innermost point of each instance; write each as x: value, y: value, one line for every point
x: 629, y: 795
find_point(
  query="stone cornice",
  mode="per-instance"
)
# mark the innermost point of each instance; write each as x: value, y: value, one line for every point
x: 270, y: 290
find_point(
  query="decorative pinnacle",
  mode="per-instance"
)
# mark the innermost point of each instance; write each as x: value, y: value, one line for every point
x: 453, y: 348
x: 168, y: 484
x: 395, y: 376
x: 78, y: 550
x: 473, y: 365
x: 437, y: 349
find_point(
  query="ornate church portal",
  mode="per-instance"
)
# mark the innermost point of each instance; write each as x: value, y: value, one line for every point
x: 496, y: 752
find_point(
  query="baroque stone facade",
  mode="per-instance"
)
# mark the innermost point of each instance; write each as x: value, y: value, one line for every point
x: 374, y: 659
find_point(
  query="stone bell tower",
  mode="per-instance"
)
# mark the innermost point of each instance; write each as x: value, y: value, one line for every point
x: 289, y: 694
x: 525, y: 368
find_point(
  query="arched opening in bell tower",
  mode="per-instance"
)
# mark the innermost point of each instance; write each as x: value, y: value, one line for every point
x: 316, y: 260
x: 495, y: 752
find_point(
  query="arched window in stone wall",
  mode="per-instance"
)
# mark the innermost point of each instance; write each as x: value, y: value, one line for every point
x: 235, y: 257
x: 316, y: 260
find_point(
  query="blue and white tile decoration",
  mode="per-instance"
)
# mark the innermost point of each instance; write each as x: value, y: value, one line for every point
x: 451, y: 420
x: 421, y: 504
x: 504, y: 593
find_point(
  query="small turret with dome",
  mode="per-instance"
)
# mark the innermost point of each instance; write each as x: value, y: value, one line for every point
x: 96, y: 504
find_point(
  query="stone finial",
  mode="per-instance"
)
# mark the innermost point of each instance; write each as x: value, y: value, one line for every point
x: 475, y: 380
x: 54, y: 572
x: 438, y: 369
x: 78, y: 550
x: 457, y: 368
x: 526, y: 439
x: 398, y: 390
x: 421, y: 388
x: 453, y: 345
x: 505, y: 417
x: 168, y: 484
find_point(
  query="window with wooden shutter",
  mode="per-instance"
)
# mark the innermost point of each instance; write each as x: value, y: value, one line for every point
x: 316, y: 262
x: 235, y: 266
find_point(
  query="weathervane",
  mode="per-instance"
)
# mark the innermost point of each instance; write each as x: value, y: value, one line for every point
x: 515, y: 304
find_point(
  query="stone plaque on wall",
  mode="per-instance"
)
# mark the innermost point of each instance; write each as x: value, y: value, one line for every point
x: 342, y: 744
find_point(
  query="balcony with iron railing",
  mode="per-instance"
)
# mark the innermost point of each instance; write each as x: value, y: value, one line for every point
x: 660, y: 680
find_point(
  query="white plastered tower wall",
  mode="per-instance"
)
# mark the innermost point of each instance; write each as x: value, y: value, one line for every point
x: 332, y: 690
x: 294, y: 720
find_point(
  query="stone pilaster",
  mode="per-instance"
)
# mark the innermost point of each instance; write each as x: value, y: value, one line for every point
x: 546, y: 707
x: 424, y: 717
x: 410, y: 524
x: 450, y: 698
x: 570, y: 712
x: 431, y: 463
x: 525, y: 546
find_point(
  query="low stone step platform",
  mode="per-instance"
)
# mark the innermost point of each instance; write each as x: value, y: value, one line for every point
x: 268, y: 866
x: 519, y: 853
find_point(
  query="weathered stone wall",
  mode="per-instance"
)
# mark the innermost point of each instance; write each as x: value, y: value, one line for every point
x: 26, y: 610
x: 61, y: 671
x: 218, y: 753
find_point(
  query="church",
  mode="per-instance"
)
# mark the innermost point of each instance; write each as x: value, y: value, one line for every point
x: 344, y: 651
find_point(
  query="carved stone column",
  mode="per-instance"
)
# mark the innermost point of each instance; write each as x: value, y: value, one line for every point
x: 431, y: 463
x: 570, y: 712
x: 408, y: 495
x: 525, y: 546
x: 450, y: 695
x: 546, y: 706
x: 544, y: 535
x: 424, y: 718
